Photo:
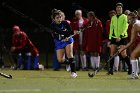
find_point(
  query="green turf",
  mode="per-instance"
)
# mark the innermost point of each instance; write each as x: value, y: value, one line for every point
x: 49, y: 81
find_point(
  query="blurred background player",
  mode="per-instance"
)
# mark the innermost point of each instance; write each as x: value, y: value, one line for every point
x: 78, y: 23
x: 110, y: 13
x: 93, y: 39
x: 118, y: 36
x: 106, y: 42
x: 28, y: 56
x: 63, y: 44
x: 127, y: 12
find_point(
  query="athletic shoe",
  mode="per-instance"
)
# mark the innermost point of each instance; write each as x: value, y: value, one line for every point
x: 73, y: 75
x: 132, y: 76
x: 136, y: 77
x: 68, y: 68
x: 138, y: 73
x: 110, y: 72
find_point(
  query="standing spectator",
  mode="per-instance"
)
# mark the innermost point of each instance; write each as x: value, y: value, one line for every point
x: 93, y: 39
x: 106, y: 42
x: 118, y: 37
x: 116, y: 59
x: 127, y: 12
x: 111, y: 13
x: 77, y: 23
x: 27, y: 53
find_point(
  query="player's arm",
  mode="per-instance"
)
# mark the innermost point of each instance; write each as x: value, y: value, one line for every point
x: 69, y: 32
x: 57, y: 30
x: 134, y: 32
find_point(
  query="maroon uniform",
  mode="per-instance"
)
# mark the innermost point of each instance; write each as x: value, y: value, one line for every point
x: 93, y: 36
x: 129, y: 31
x: 129, y: 36
x: 75, y: 26
x: 107, y: 28
x: 21, y: 42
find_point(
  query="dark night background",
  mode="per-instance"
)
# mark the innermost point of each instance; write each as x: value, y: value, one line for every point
x: 40, y: 10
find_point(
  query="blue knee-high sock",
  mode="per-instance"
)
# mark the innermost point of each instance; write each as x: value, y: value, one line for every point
x: 36, y: 62
x: 20, y: 60
x: 28, y: 61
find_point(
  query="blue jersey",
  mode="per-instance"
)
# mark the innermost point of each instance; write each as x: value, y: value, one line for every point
x: 62, y: 44
x: 60, y: 32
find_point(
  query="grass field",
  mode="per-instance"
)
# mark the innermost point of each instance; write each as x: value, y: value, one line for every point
x: 49, y: 81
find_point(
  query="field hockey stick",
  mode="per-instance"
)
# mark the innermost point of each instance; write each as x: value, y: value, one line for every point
x: 95, y: 72
x: 120, y: 51
x: 92, y: 74
x: 81, y: 30
x: 113, y: 56
x: 6, y: 76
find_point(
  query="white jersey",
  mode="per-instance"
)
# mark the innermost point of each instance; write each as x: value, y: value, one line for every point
x: 81, y: 21
x: 137, y: 22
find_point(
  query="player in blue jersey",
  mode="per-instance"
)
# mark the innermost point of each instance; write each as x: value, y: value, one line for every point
x: 63, y: 44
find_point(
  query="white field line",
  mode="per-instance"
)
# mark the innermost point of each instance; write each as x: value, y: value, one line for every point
x: 115, y: 89
x: 19, y: 90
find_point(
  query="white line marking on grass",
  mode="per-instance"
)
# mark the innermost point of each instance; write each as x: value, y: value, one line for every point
x: 19, y: 90
x: 109, y: 90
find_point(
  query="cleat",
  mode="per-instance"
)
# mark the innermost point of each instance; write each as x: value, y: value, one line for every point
x: 132, y: 76
x: 136, y: 77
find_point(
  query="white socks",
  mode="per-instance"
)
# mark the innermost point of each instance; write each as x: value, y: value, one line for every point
x: 138, y: 64
x: 83, y: 61
x: 116, y: 62
x: 134, y: 67
x: 95, y: 61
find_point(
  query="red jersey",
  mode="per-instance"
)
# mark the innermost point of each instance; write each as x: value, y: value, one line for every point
x: 21, y: 42
x: 75, y: 26
x: 129, y: 35
x: 129, y: 31
x: 93, y: 37
x: 107, y: 28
